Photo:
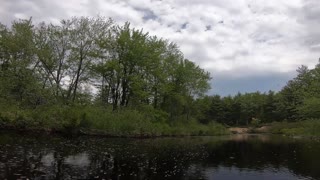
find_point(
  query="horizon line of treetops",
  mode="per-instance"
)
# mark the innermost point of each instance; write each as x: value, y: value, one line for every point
x: 46, y: 64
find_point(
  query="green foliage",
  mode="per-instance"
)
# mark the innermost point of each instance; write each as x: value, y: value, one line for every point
x: 310, y: 108
x: 102, y: 120
x: 255, y: 122
x: 241, y: 109
x: 123, y: 122
x: 193, y: 128
x: 47, y: 73
x: 298, y: 100
x: 308, y: 127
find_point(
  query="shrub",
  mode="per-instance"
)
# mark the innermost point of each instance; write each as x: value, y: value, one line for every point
x: 141, y: 121
x: 310, y: 127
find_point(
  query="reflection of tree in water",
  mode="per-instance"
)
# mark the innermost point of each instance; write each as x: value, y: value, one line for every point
x: 21, y: 161
x: 101, y: 165
x: 185, y: 158
x: 58, y: 165
x: 258, y: 156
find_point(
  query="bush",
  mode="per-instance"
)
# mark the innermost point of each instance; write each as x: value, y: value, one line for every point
x: 255, y: 122
x: 193, y: 128
x: 142, y: 121
x: 310, y: 127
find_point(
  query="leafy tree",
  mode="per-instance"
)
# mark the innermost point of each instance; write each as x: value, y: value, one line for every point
x: 310, y: 108
x: 66, y: 53
x: 292, y: 93
x: 17, y: 62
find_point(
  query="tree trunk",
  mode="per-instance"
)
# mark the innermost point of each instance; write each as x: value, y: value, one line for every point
x: 78, y: 75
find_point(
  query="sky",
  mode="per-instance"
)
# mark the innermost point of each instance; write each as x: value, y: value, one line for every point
x: 246, y: 45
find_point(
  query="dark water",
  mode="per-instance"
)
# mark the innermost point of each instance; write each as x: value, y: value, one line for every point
x: 233, y: 157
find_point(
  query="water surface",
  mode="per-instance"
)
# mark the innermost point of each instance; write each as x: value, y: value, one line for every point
x: 229, y: 157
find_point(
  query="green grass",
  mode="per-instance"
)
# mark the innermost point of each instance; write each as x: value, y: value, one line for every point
x: 102, y: 120
x: 310, y: 127
x: 193, y: 128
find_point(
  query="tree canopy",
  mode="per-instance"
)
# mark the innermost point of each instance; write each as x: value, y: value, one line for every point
x: 95, y: 61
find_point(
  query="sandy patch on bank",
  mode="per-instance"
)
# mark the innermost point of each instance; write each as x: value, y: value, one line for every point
x: 237, y: 130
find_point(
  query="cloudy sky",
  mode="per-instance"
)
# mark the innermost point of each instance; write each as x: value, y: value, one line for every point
x: 246, y: 45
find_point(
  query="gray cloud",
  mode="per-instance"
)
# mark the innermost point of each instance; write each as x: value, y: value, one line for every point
x: 310, y: 19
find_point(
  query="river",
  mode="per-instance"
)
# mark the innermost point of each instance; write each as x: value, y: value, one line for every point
x: 246, y: 157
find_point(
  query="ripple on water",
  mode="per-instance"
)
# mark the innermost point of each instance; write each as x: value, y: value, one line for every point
x: 175, y: 158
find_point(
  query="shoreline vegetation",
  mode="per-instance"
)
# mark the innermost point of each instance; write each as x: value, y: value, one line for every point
x: 93, y: 76
x: 98, y: 121
x: 306, y: 129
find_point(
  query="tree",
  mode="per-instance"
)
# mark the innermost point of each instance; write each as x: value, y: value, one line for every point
x: 292, y: 93
x: 217, y: 110
x: 67, y: 52
x: 17, y: 62
x: 310, y: 108
x: 51, y: 64
x: 123, y: 71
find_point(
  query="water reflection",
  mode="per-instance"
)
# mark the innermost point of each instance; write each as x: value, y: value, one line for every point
x: 232, y: 157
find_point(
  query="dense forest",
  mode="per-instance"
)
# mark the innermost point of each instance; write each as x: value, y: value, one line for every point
x: 298, y: 100
x: 92, y: 74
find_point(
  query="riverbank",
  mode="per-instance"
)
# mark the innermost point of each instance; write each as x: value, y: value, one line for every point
x: 101, y: 133
x: 104, y: 122
x: 250, y: 130
x: 212, y: 130
x: 307, y: 128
